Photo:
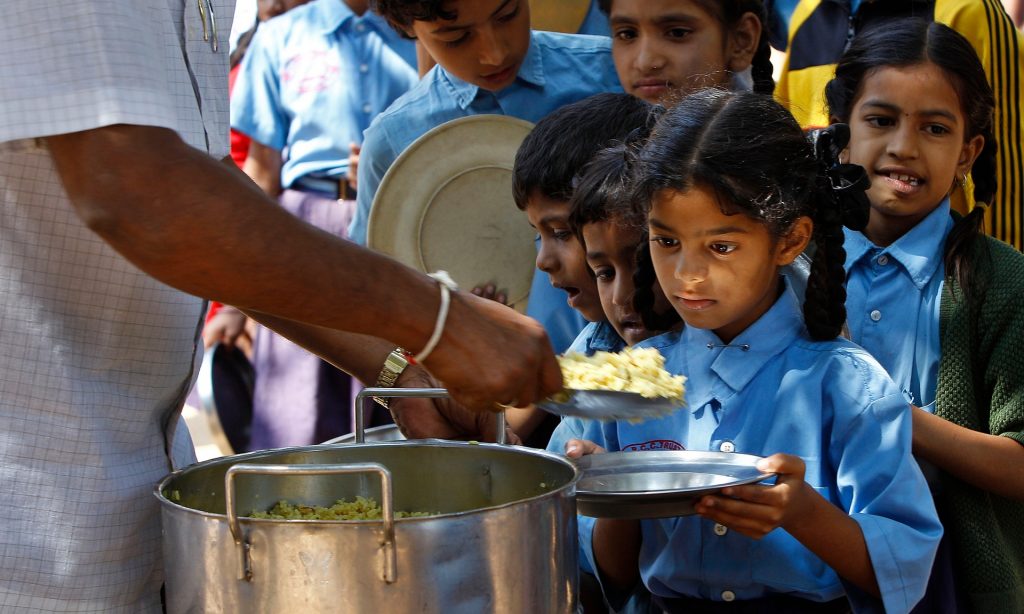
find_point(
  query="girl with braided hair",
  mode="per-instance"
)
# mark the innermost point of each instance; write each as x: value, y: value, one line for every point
x: 732, y: 192
x: 937, y: 302
x: 664, y: 49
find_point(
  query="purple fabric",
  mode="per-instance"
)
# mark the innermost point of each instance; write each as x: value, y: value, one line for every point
x: 299, y: 399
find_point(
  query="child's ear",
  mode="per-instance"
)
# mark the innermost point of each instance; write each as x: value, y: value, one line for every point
x: 794, y: 242
x: 970, y: 152
x: 743, y: 41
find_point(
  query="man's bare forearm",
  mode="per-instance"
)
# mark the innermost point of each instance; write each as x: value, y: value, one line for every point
x: 205, y: 229
x: 359, y: 355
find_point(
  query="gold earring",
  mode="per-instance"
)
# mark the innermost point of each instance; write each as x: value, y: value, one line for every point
x: 962, y: 180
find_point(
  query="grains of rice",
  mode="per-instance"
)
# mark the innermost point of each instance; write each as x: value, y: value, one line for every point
x: 639, y: 370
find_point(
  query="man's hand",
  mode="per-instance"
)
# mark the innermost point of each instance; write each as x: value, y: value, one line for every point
x: 756, y: 510
x: 440, y: 418
x: 492, y: 354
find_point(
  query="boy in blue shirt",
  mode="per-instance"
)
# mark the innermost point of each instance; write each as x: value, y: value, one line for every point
x: 488, y: 61
x: 310, y: 84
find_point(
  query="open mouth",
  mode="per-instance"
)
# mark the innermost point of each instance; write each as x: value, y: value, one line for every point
x: 572, y: 292
x: 631, y: 323
x: 901, y: 182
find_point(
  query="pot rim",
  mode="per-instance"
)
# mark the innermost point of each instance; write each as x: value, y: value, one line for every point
x: 435, y: 443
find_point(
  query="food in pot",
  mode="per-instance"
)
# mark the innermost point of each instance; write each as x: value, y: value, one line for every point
x: 639, y: 370
x: 360, y: 509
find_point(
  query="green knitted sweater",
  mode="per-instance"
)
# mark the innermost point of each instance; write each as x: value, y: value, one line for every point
x: 981, y: 387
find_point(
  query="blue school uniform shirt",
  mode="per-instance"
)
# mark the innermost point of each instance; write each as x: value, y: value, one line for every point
x: 558, y: 69
x: 892, y: 302
x: 313, y: 79
x: 828, y: 402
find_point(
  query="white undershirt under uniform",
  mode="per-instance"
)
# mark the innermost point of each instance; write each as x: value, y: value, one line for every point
x: 95, y: 356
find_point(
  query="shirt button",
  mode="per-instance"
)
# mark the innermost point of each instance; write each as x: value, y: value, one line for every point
x: 721, y: 529
x: 875, y: 315
x: 883, y: 260
x: 364, y: 68
x: 360, y: 27
x: 367, y: 108
x: 727, y: 446
x: 728, y: 596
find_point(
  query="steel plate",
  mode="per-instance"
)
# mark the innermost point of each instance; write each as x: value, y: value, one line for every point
x: 606, y: 405
x: 658, y: 484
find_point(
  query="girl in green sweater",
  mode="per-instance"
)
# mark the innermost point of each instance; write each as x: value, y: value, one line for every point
x: 937, y: 302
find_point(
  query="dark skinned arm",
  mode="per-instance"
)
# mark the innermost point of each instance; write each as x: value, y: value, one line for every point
x: 990, y: 462
x: 196, y: 225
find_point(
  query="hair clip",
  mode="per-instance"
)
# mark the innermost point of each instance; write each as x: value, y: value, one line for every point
x: 744, y: 346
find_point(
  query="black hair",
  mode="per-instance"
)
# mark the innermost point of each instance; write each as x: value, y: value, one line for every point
x: 564, y: 141
x: 604, y: 191
x: 604, y: 186
x: 243, y: 44
x: 908, y: 42
x: 751, y: 153
x: 728, y: 13
x: 401, y: 13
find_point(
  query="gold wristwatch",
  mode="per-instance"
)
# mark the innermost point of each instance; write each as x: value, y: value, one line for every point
x: 394, y: 365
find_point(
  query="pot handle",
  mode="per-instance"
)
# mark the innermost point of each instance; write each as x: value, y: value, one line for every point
x: 424, y: 393
x: 387, y: 542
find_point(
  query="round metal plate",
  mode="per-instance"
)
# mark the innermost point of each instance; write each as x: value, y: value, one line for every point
x: 446, y: 204
x: 658, y: 484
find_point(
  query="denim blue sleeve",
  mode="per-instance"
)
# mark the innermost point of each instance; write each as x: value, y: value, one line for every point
x: 256, y: 98
x: 375, y: 159
x: 879, y: 482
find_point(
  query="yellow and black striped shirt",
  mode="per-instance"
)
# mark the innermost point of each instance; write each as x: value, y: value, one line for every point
x: 818, y: 35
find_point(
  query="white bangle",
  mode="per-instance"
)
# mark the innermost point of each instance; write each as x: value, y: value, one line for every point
x: 447, y: 284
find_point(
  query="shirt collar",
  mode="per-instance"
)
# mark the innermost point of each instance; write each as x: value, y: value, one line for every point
x: 531, y: 71
x: 605, y: 338
x: 739, y: 361
x: 918, y: 251
x: 333, y: 14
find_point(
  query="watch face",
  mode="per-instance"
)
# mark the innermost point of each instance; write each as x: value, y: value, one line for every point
x: 394, y: 364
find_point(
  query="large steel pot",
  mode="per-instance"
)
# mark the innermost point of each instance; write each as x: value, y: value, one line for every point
x: 504, y: 541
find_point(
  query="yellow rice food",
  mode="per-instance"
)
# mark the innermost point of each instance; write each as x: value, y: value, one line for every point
x: 360, y: 509
x: 640, y: 370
